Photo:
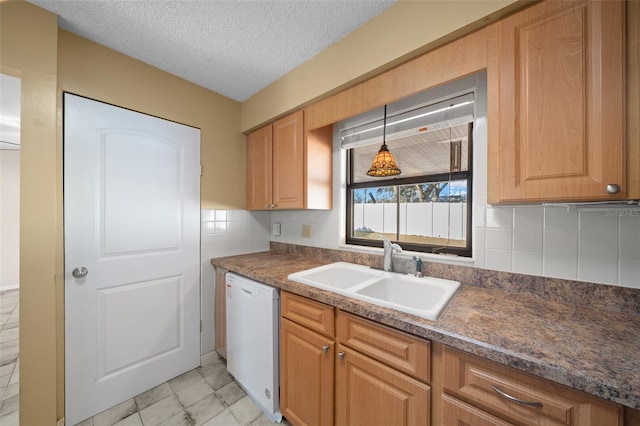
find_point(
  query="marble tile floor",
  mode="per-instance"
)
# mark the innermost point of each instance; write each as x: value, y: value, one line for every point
x: 9, y: 366
x: 207, y: 395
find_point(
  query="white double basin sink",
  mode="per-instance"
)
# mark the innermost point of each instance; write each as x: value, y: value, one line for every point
x: 425, y: 297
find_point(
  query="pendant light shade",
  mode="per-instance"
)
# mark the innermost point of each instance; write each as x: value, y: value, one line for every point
x: 383, y: 163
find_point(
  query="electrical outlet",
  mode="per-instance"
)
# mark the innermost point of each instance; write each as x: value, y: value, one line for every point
x: 306, y: 231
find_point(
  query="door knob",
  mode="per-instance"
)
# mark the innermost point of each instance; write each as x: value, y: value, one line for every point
x: 80, y: 272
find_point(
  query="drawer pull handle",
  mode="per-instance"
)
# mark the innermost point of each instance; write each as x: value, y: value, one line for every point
x: 514, y: 399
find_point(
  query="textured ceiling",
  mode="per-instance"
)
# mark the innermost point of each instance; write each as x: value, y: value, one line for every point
x: 233, y: 47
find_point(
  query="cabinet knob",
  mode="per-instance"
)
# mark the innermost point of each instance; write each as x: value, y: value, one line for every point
x: 340, y: 355
x: 613, y: 188
x: 325, y: 348
x: 266, y: 206
x: 273, y: 206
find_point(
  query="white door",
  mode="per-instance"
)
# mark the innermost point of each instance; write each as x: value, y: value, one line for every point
x: 132, y: 220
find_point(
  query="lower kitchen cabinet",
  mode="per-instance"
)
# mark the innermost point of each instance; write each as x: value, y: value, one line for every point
x: 480, y: 392
x: 306, y: 360
x: 380, y: 374
x: 220, y: 313
x: 338, y: 368
x: 306, y: 375
x: 371, y: 393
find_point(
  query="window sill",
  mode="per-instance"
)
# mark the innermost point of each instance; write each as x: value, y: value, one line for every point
x: 429, y: 257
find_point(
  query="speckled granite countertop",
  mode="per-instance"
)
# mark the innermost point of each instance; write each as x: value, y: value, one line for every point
x: 594, y: 350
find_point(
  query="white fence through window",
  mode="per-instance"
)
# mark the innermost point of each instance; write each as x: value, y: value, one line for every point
x: 428, y: 219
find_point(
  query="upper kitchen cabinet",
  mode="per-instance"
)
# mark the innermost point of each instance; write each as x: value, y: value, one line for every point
x: 259, y: 169
x: 288, y: 167
x: 556, y: 83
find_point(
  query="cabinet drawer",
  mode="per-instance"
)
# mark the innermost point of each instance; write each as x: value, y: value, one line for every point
x: 394, y: 348
x: 481, y: 382
x: 456, y: 412
x: 313, y: 315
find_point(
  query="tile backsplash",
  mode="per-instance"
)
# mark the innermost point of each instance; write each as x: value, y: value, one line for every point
x: 601, y: 246
x: 226, y: 233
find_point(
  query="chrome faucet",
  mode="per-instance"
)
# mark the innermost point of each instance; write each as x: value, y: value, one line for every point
x: 389, y: 249
x: 418, y: 266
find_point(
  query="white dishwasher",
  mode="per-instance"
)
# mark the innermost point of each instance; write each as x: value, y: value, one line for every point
x: 253, y: 339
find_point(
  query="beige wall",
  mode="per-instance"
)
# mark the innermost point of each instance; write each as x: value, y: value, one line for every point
x: 28, y: 42
x: 404, y: 31
x: 89, y: 69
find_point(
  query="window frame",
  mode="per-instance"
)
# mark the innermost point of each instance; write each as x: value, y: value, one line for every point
x: 399, y: 181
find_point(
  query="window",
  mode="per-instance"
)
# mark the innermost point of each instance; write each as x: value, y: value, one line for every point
x: 428, y: 206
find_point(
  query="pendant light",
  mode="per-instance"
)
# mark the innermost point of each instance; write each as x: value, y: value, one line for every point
x: 384, y: 164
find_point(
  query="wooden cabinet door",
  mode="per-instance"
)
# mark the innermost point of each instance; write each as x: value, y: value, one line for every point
x: 370, y: 393
x: 557, y: 93
x: 220, y: 313
x: 259, y: 169
x: 306, y: 375
x: 288, y: 162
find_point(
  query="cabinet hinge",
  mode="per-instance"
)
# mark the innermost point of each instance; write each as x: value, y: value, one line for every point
x: 200, y: 326
x: 200, y: 169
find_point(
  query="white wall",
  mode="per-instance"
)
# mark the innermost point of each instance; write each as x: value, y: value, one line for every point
x: 601, y: 246
x: 9, y: 219
x: 226, y: 233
